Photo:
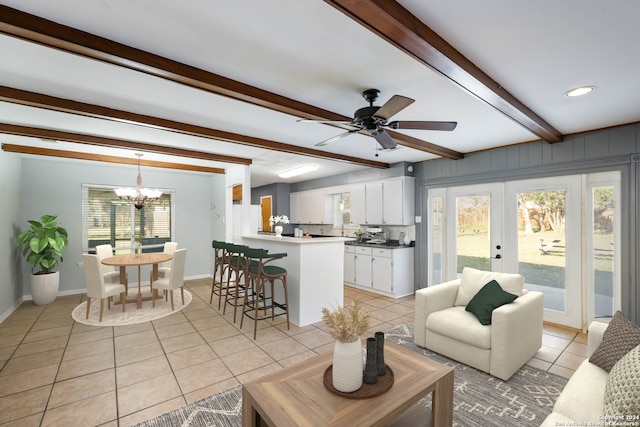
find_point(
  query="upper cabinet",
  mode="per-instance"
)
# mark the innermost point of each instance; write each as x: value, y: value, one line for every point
x: 384, y: 202
x: 307, y: 207
x: 387, y: 202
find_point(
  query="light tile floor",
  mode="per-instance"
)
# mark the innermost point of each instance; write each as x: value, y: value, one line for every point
x: 56, y: 372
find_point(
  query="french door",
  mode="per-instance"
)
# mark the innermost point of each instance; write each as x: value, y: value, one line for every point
x: 560, y: 233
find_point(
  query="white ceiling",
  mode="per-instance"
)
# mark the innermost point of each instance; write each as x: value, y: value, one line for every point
x: 311, y: 52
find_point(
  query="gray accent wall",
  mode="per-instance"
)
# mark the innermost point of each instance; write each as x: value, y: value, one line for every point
x: 613, y: 149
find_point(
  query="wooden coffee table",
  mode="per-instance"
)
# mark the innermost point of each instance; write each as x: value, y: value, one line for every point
x: 296, y: 396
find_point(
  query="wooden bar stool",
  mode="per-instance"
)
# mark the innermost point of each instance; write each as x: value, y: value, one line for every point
x: 233, y: 293
x: 259, y: 271
x: 219, y: 266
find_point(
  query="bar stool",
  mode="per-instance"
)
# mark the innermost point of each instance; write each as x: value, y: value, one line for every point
x: 235, y: 267
x: 219, y: 265
x: 258, y: 272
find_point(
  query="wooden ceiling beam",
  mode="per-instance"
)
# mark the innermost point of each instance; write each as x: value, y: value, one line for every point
x: 100, y: 141
x: 32, y: 99
x: 33, y: 28
x: 38, y: 151
x: 398, y: 26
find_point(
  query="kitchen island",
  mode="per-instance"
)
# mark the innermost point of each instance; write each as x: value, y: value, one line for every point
x: 315, y: 272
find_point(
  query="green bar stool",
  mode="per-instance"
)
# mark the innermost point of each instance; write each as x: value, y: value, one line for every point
x: 259, y: 272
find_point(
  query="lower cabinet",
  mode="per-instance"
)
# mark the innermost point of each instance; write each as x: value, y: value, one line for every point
x: 382, y: 270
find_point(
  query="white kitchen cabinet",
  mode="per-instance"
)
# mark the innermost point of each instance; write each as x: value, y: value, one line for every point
x: 349, y: 264
x: 294, y: 208
x: 382, y: 269
x: 362, y: 266
x: 386, y: 202
x: 358, y: 201
x: 373, y: 203
x: 307, y: 207
x: 386, y: 271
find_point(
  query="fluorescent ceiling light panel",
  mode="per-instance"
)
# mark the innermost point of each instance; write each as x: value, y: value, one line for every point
x: 579, y: 91
x: 298, y: 171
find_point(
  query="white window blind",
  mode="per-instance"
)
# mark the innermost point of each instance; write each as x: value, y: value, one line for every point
x: 107, y: 219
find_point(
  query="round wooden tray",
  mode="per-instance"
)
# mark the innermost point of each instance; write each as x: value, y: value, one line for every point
x: 366, y: 391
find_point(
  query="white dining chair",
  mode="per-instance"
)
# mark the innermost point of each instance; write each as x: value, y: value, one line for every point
x: 96, y: 286
x: 110, y: 274
x: 165, y: 268
x: 175, y: 279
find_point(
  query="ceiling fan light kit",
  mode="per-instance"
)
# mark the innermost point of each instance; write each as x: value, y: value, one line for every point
x: 373, y: 120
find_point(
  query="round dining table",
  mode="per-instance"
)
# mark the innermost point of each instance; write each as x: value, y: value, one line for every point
x: 128, y: 260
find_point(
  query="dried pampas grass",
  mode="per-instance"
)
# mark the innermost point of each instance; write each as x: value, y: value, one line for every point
x: 346, y: 324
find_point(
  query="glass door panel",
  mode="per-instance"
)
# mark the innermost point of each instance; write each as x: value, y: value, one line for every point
x: 474, y: 231
x: 602, y: 253
x: 543, y: 220
x: 541, y: 244
x: 436, y: 237
x: 473, y: 245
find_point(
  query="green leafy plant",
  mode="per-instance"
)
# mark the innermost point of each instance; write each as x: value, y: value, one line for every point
x: 43, y: 244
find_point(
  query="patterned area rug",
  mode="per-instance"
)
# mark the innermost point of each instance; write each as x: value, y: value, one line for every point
x: 132, y: 315
x: 479, y: 399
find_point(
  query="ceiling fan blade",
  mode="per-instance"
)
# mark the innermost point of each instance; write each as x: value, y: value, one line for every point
x: 423, y: 125
x: 393, y: 106
x: 384, y: 139
x: 335, y: 138
x: 332, y: 122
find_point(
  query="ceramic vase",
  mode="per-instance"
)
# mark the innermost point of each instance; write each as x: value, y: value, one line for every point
x: 347, y: 366
x: 278, y: 230
x: 371, y: 367
x: 381, y: 367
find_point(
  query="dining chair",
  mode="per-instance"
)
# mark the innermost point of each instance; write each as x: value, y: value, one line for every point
x: 96, y: 286
x: 259, y: 271
x: 165, y: 268
x: 175, y: 279
x: 110, y: 274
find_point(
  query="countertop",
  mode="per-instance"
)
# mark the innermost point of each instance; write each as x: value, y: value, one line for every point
x: 297, y: 240
x: 391, y: 244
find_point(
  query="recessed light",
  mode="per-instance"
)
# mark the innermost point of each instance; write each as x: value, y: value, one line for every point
x: 579, y: 91
x: 298, y: 171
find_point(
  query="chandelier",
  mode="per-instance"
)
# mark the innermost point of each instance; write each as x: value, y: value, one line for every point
x: 138, y: 196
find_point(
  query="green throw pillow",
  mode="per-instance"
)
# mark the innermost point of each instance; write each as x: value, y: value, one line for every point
x: 622, y: 392
x: 490, y: 297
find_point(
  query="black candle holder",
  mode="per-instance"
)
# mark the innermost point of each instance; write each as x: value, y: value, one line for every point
x: 381, y: 367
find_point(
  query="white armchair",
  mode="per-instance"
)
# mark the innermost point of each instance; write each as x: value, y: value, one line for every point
x: 515, y: 334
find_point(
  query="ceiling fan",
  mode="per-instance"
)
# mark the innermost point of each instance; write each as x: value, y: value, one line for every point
x: 373, y: 120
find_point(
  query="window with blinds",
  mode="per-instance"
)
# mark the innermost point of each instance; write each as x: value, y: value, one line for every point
x: 108, y: 220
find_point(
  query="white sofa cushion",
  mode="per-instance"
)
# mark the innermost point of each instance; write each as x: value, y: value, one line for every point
x: 473, y: 280
x: 460, y: 325
x: 583, y: 397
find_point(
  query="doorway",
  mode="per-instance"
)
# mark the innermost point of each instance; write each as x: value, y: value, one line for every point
x: 560, y: 233
x: 266, y: 212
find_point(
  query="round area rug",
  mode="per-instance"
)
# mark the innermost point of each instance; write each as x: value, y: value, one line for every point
x: 132, y: 315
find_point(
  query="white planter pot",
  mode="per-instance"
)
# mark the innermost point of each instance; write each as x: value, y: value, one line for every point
x: 278, y: 230
x: 44, y: 287
x: 347, y: 366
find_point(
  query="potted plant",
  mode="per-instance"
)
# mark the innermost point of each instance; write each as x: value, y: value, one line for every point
x: 278, y: 221
x: 43, y: 244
